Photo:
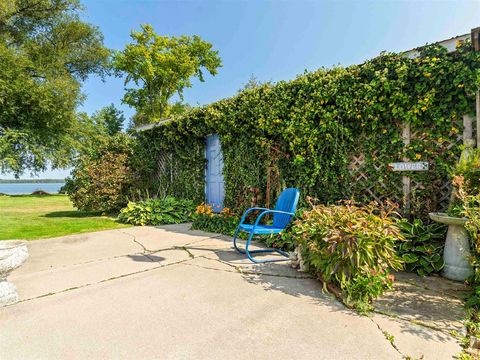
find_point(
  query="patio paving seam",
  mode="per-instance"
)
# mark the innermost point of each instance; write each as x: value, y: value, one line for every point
x: 101, y: 281
x: 238, y: 269
x: 111, y: 258
x: 412, y: 321
x: 443, y: 293
x: 146, y: 253
x: 90, y: 262
x: 134, y: 239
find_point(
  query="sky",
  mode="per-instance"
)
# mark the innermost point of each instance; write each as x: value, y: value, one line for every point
x: 272, y: 40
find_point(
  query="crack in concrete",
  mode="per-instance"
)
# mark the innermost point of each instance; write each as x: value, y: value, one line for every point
x: 147, y: 253
x: 210, y: 268
x: 241, y: 271
x: 101, y: 281
x: 134, y: 239
x: 188, y: 252
x: 80, y: 263
x: 203, y: 239
x: 123, y: 231
x: 390, y: 341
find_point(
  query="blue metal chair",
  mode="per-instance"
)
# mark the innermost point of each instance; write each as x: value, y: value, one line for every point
x: 283, y: 213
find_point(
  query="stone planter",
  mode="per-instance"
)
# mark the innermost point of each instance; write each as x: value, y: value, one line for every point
x: 13, y: 253
x: 457, y: 247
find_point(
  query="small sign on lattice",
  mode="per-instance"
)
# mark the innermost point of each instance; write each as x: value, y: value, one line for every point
x: 408, y: 166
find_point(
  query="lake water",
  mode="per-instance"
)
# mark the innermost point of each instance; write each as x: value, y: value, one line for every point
x: 28, y: 188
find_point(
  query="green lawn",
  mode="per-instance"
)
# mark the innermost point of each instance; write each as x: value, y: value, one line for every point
x: 36, y: 217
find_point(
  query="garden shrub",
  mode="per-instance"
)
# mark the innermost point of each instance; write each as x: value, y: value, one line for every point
x: 285, y: 240
x: 224, y: 222
x: 422, y: 250
x: 359, y: 291
x: 157, y: 212
x: 102, y: 178
x: 350, y: 246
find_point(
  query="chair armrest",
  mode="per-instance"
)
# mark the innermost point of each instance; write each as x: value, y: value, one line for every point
x: 249, y: 210
x: 271, y: 211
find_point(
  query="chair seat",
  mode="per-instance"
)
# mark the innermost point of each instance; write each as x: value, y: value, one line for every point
x: 261, y: 229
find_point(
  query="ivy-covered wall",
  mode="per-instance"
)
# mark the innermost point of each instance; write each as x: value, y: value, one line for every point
x: 331, y: 132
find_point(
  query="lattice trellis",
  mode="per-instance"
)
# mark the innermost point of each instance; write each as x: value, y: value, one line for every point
x: 164, y: 171
x: 393, y: 189
x: 381, y: 192
x: 180, y: 175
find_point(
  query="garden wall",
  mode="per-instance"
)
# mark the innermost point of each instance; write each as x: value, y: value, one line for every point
x: 331, y: 133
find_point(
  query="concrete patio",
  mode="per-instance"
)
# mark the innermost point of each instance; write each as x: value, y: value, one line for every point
x: 172, y: 293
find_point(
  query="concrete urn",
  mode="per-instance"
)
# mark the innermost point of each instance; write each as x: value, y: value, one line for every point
x: 457, y: 247
x: 13, y: 253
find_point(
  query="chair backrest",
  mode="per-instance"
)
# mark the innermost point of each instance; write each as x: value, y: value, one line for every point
x: 287, y: 201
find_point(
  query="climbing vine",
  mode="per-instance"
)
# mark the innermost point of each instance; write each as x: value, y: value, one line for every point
x: 313, y: 126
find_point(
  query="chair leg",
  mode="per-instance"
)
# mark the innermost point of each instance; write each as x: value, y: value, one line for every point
x: 235, y: 241
x: 263, y: 251
x: 249, y: 253
x: 246, y: 248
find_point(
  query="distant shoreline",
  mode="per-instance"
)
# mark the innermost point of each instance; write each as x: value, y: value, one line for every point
x: 32, y: 181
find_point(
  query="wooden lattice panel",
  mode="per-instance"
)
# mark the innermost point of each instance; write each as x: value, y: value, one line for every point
x: 439, y: 189
x: 164, y: 169
x: 379, y: 191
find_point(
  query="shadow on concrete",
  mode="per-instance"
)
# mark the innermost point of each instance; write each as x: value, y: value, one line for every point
x: 146, y: 258
x: 423, y: 305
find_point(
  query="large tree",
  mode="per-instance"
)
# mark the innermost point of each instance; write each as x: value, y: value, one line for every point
x: 159, y: 67
x: 110, y: 118
x: 46, y: 51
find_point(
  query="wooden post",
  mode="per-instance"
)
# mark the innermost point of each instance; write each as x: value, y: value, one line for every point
x: 406, y: 181
x: 467, y: 130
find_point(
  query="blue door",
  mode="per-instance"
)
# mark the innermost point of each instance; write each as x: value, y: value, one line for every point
x: 214, y: 173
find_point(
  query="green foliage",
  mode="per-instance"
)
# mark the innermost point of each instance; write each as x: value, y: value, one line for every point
x: 285, y: 240
x: 110, y: 118
x: 304, y: 133
x: 161, y: 66
x: 217, y: 223
x: 466, y: 181
x: 359, y: 291
x: 350, y: 246
x: 473, y: 301
x: 157, y: 212
x: 46, y: 51
x: 422, y: 249
x: 102, y: 179
x: 224, y: 222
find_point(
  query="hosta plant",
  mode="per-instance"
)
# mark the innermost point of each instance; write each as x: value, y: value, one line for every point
x: 157, y: 212
x: 345, y: 244
x: 422, y: 249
